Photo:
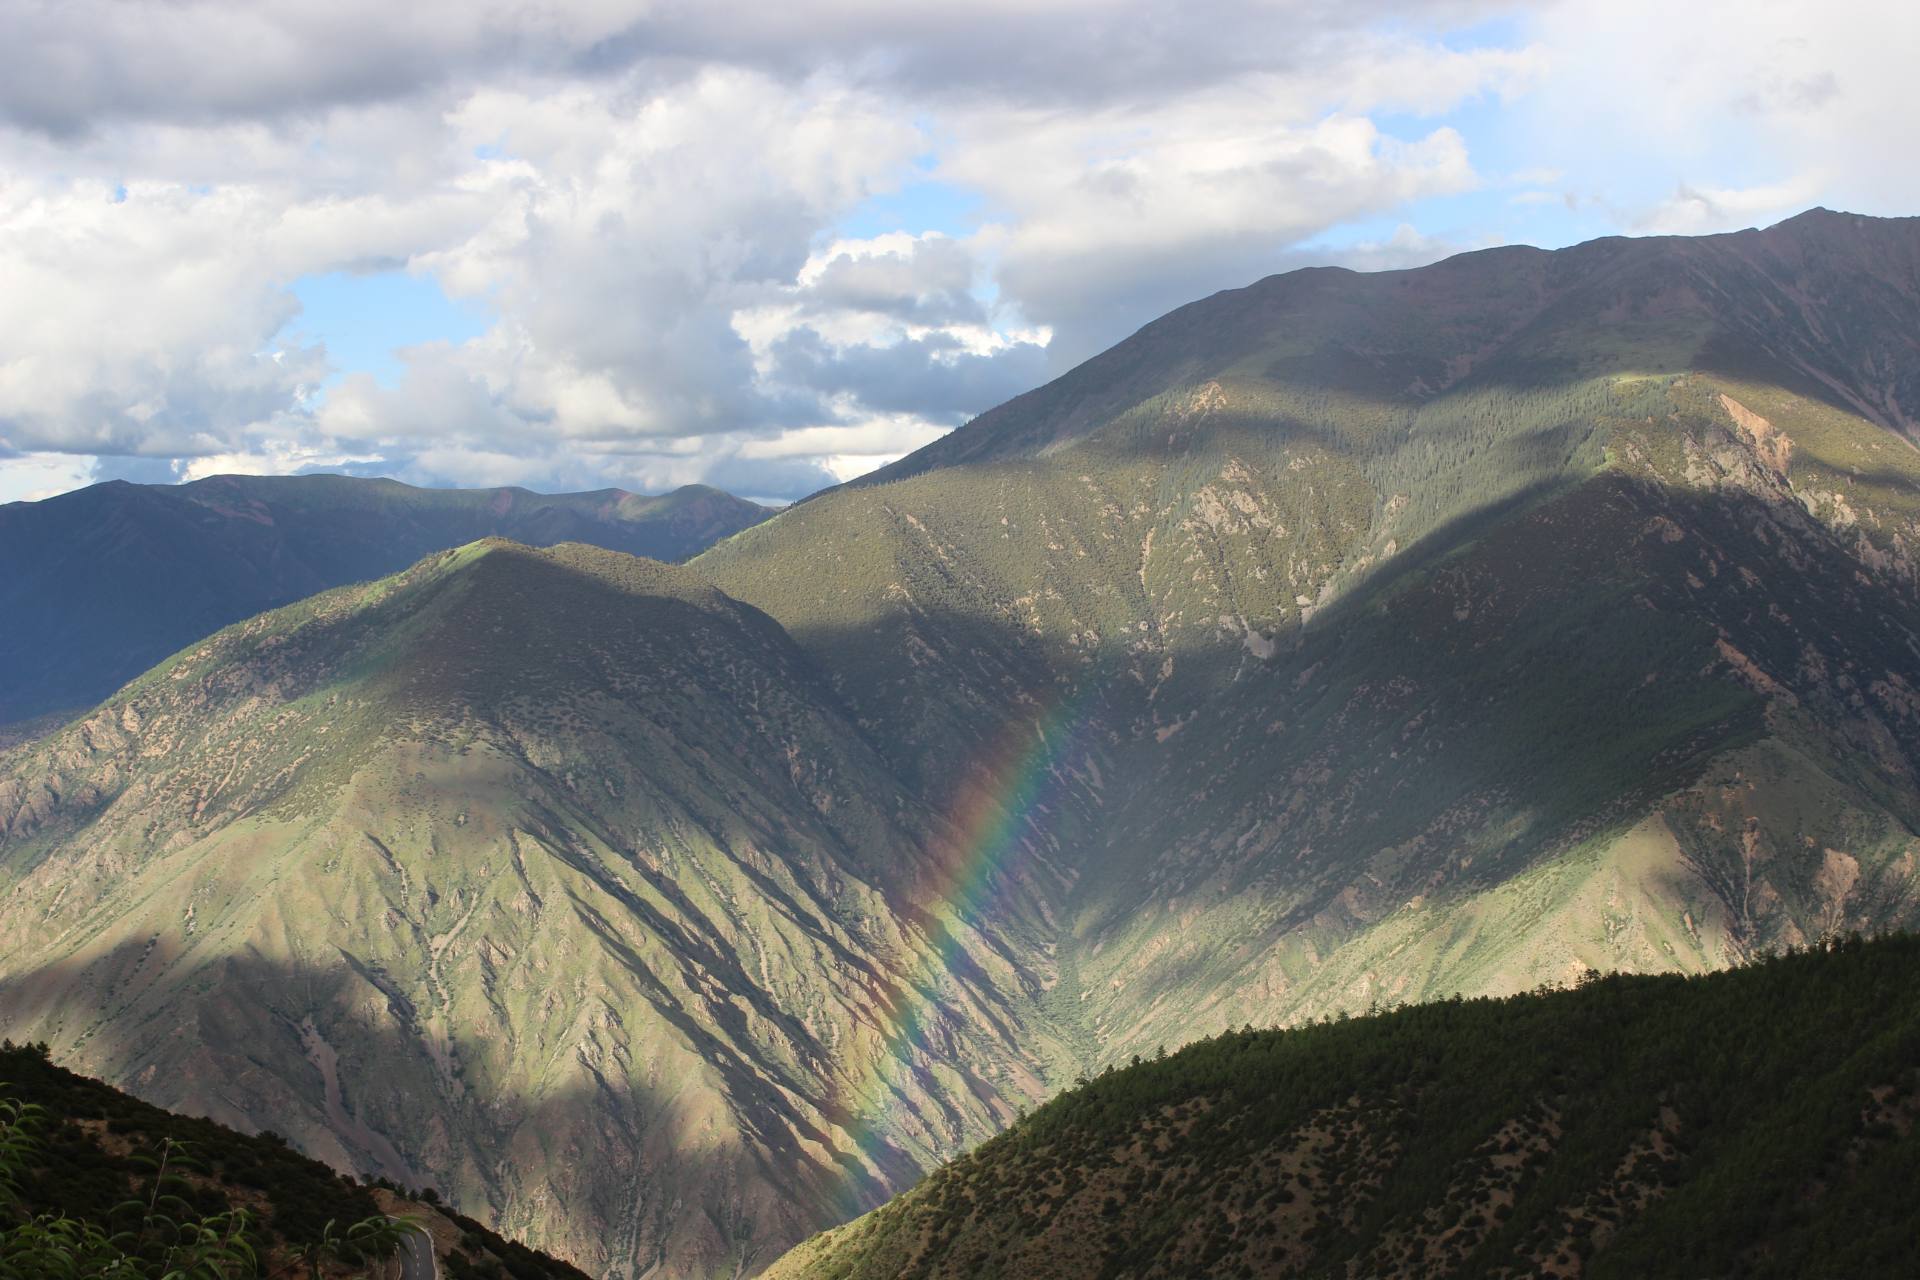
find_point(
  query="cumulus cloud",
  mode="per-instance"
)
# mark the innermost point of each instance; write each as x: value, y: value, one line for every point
x: 611, y: 230
x: 72, y: 67
x: 933, y: 377
x: 1134, y: 217
x: 1694, y: 210
x: 915, y: 280
x: 131, y: 323
x: 892, y: 333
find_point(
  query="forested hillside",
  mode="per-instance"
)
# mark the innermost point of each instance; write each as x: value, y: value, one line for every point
x: 95, y: 1183
x: 1755, y: 1123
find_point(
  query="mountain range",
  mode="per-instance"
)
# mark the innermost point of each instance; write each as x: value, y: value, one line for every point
x: 1344, y: 641
x: 99, y: 584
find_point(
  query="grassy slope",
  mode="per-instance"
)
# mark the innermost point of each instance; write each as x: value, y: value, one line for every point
x: 88, y: 1139
x: 100, y: 584
x: 1757, y: 1122
x: 1425, y: 631
x: 552, y: 878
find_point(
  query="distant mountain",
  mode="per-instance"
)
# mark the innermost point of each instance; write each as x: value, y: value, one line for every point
x: 1344, y: 640
x: 89, y: 1150
x: 1757, y: 1123
x: 98, y: 585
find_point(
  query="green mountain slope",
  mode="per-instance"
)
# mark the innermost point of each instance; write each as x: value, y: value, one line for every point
x: 100, y: 584
x: 1440, y: 630
x: 550, y: 878
x: 1757, y: 1123
x: 86, y: 1150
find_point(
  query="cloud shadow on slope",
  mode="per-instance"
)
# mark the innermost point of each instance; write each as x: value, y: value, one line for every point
x: 230, y: 1041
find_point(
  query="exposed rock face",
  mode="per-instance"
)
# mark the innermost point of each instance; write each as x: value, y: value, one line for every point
x: 1338, y: 641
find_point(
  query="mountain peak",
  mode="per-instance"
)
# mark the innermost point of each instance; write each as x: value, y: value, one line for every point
x: 1818, y: 213
x: 1501, y: 316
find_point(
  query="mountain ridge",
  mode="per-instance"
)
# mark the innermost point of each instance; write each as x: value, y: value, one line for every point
x: 519, y: 848
x: 101, y: 583
x: 970, y: 443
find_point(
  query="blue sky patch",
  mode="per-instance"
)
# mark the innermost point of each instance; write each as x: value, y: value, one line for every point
x: 918, y: 207
x: 364, y: 318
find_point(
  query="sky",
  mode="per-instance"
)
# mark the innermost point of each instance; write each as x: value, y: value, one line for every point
x: 648, y: 243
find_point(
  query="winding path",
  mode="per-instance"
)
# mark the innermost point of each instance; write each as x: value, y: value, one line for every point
x: 417, y: 1260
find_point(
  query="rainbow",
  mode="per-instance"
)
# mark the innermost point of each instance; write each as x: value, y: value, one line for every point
x: 1009, y: 785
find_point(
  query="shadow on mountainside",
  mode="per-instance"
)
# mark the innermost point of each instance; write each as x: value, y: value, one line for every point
x: 1551, y: 627
x: 330, y: 1060
x: 1529, y: 673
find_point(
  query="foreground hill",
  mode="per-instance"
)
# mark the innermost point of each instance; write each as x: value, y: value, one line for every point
x: 1754, y: 1123
x: 87, y: 1150
x: 98, y: 585
x: 1337, y: 641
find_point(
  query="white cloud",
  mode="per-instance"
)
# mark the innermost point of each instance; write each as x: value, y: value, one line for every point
x: 870, y: 438
x: 31, y: 477
x: 82, y: 65
x: 1696, y: 210
x: 137, y: 326
x: 1740, y: 112
x: 643, y: 196
x: 1119, y: 219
